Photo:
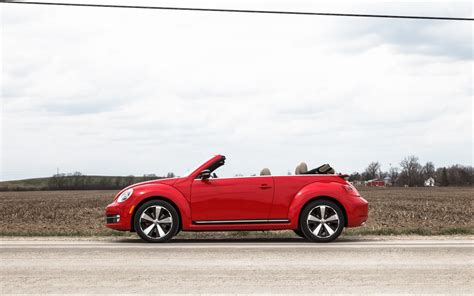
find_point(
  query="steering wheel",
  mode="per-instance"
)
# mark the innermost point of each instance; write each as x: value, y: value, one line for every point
x: 214, y: 176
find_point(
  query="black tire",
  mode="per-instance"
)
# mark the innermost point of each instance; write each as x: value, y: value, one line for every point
x: 157, y: 232
x: 299, y: 233
x: 323, y: 234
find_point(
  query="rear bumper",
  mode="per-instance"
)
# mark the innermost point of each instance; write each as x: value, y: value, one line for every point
x: 118, y: 216
x: 358, y: 212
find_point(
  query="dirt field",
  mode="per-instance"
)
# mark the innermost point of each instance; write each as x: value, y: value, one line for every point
x: 392, y: 211
x: 438, y: 210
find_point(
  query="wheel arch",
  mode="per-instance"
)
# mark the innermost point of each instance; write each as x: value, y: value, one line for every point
x: 331, y: 191
x: 328, y: 198
x: 147, y: 199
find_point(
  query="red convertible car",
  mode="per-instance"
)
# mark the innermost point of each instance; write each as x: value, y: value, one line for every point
x: 316, y: 204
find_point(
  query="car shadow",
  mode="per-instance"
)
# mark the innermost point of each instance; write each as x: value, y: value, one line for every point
x: 272, y: 240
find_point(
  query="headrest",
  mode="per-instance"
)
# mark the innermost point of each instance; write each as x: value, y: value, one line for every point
x: 301, y: 168
x: 265, y: 172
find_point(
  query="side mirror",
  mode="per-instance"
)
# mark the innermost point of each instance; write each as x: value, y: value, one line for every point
x: 205, y: 174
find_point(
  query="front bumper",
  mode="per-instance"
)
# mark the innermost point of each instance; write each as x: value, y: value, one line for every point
x: 118, y: 216
x: 112, y: 219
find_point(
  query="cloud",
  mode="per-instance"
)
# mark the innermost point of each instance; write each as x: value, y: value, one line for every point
x: 130, y: 92
x: 446, y: 39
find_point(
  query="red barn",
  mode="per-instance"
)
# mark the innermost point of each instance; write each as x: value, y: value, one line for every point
x: 375, y: 183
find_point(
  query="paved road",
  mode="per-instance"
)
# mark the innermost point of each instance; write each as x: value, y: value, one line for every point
x: 267, y: 266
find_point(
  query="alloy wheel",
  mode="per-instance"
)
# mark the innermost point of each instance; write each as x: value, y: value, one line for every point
x: 323, y: 221
x: 156, y: 222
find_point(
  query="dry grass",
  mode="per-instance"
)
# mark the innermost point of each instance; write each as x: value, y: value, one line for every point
x: 422, y: 211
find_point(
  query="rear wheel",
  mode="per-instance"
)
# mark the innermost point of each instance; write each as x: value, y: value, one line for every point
x: 322, y: 221
x: 156, y: 221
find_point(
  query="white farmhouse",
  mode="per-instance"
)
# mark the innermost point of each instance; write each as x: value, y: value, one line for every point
x: 430, y: 182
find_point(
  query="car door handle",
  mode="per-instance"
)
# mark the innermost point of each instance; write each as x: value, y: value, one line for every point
x: 265, y: 186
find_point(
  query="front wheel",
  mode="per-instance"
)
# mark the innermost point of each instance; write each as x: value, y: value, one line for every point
x: 322, y: 221
x: 156, y: 221
x: 299, y: 233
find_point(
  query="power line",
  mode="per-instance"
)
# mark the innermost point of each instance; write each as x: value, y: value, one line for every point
x: 442, y: 18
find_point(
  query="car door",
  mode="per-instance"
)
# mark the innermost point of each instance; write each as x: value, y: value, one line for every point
x: 242, y: 198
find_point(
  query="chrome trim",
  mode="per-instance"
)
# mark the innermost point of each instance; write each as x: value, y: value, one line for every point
x: 242, y: 221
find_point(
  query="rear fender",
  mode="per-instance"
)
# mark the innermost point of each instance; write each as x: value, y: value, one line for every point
x: 165, y: 192
x: 311, y: 191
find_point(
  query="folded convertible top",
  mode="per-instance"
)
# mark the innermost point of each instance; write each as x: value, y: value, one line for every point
x: 324, y: 169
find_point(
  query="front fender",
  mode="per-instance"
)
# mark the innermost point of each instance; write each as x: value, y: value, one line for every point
x: 332, y: 190
x: 166, y: 192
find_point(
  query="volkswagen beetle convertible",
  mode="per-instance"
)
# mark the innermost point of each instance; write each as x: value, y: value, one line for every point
x: 317, y: 204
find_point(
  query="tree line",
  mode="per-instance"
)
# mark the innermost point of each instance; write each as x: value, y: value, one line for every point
x: 411, y: 173
x: 79, y: 181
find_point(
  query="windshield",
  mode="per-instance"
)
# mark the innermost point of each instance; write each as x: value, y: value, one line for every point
x: 188, y: 172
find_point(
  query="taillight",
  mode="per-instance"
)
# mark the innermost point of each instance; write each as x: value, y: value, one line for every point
x: 350, y: 189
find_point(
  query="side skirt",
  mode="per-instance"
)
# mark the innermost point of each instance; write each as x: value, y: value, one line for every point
x: 255, y: 221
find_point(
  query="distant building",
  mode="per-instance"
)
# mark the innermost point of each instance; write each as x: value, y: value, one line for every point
x: 375, y: 183
x: 357, y: 183
x: 388, y: 181
x: 430, y: 182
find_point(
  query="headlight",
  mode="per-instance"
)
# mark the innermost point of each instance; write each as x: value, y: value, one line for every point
x: 125, y: 195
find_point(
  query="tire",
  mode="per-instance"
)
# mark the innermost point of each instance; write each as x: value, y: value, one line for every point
x: 299, y: 233
x: 153, y: 230
x: 322, y: 229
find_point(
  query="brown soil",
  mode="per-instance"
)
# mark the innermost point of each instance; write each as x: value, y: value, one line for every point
x: 445, y: 210
x: 438, y: 210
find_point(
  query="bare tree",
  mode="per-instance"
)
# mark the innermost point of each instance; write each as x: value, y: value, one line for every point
x: 442, y: 176
x: 129, y: 180
x: 355, y: 176
x: 147, y: 177
x: 393, y: 174
x: 459, y: 175
x: 372, y: 171
x: 428, y: 170
x: 411, y: 174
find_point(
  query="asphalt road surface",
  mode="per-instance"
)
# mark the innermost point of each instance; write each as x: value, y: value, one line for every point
x: 289, y: 266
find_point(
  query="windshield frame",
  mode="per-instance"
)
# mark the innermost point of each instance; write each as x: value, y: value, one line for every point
x: 204, y: 164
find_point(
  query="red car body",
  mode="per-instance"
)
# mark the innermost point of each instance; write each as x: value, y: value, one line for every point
x: 240, y: 203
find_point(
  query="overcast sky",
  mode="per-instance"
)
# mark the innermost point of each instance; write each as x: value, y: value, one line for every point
x: 119, y: 92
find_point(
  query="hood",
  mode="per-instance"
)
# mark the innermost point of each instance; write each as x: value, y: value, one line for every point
x: 167, y: 181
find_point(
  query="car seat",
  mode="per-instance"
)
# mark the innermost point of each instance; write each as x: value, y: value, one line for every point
x: 301, y: 169
x: 265, y: 172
